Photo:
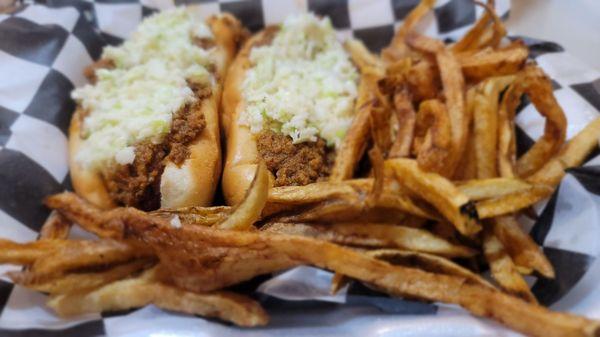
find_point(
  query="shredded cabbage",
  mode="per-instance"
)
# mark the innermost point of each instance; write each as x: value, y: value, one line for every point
x: 303, y: 84
x: 136, y: 100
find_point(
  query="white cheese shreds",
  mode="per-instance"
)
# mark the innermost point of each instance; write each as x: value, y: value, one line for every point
x: 136, y: 100
x: 303, y: 84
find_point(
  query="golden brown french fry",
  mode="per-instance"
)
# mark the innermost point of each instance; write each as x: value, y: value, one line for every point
x: 364, y: 60
x: 71, y: 207
x: 24, y: 253
x: 51, y: 257
x: 512, y: 202
x: 473, y: 39
x: 488, y: 63
x: 503, y: 269
x: 484, y: 104
x: 506, y: 131
x: 439, y: 192
x: 70, y: 255
x: 55, y: 227
x: 354, y: 143
x: 139, y: 292
x: 524, y: 252
x: 406, y: 116
x: 573, y: 154
x: 248, y: 211
x: 480, y: 189
x: 423, y: 80
x: 434, y: 131
x: 200, y: 216
x: 427, y: 262
x: 76, y: 282
x: 397, y: 48
x: 311, y: 193
x: 539, y: 89
x: 376, y: 235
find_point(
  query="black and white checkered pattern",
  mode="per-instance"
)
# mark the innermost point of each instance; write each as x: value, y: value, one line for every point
x: 43, y: 49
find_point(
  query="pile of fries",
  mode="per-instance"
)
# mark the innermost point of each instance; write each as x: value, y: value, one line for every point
x: 438, y: 203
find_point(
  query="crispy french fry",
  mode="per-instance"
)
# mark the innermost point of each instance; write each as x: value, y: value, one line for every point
x: 71, y: 207
x: 311, y: 193
x: 55, y: 256
x: 485, y: 64
x: 200, y: 216
x: 503, y: 269
x: 139, y: 292
x: 434, y: 130
x: 353, y: 145
x: 439, y: 192
x: 485, y: 98
x: 480, y: 189
x: 76, y: 282
x: 248, y: 211
x: 539, y: 89
x: 55, y: 227
x: 406, y: 116
x: 512, y: 202
x: 398, y: 48
x: 524, y: 252
x: 24, y: 253
x: 573, y: 154
x: 473, y: 39
x: 427, y: 262
x: 375, y: 235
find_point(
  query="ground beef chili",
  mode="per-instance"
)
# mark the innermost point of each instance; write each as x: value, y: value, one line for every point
x: 294, y: 164
x: 138, y: 184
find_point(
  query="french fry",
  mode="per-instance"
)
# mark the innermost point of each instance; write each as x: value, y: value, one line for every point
x: 76, y: 282
x: 473, y: 39
x: 139, y: 292
x: 397, y: 48
x: 423, y: 80
x: 427, y: 262
x: 573, y: 154
x: 200, y: 216
x: 311, y: 193
x: 489, y: 63
x: 512, y: 202
x: 434, y: 126
x: 375, y: 235
x: 481, y: 189
x: 71, y: 207
x: 503, y: 269
x: 406, y: 116
x: 55, y: 227
x: 484, y: 107
x: 353, y: 145
x: 439, y: 192
x: 539, y: 89
x: 24, y: 253
x: 249, y: 210
x: 524, y: 252
x: 51, y: 257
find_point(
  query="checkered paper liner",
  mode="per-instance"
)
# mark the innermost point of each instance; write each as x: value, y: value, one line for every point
x: 43, y: 50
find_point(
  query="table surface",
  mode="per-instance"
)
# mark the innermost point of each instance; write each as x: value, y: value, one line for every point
x: 575, y: 24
